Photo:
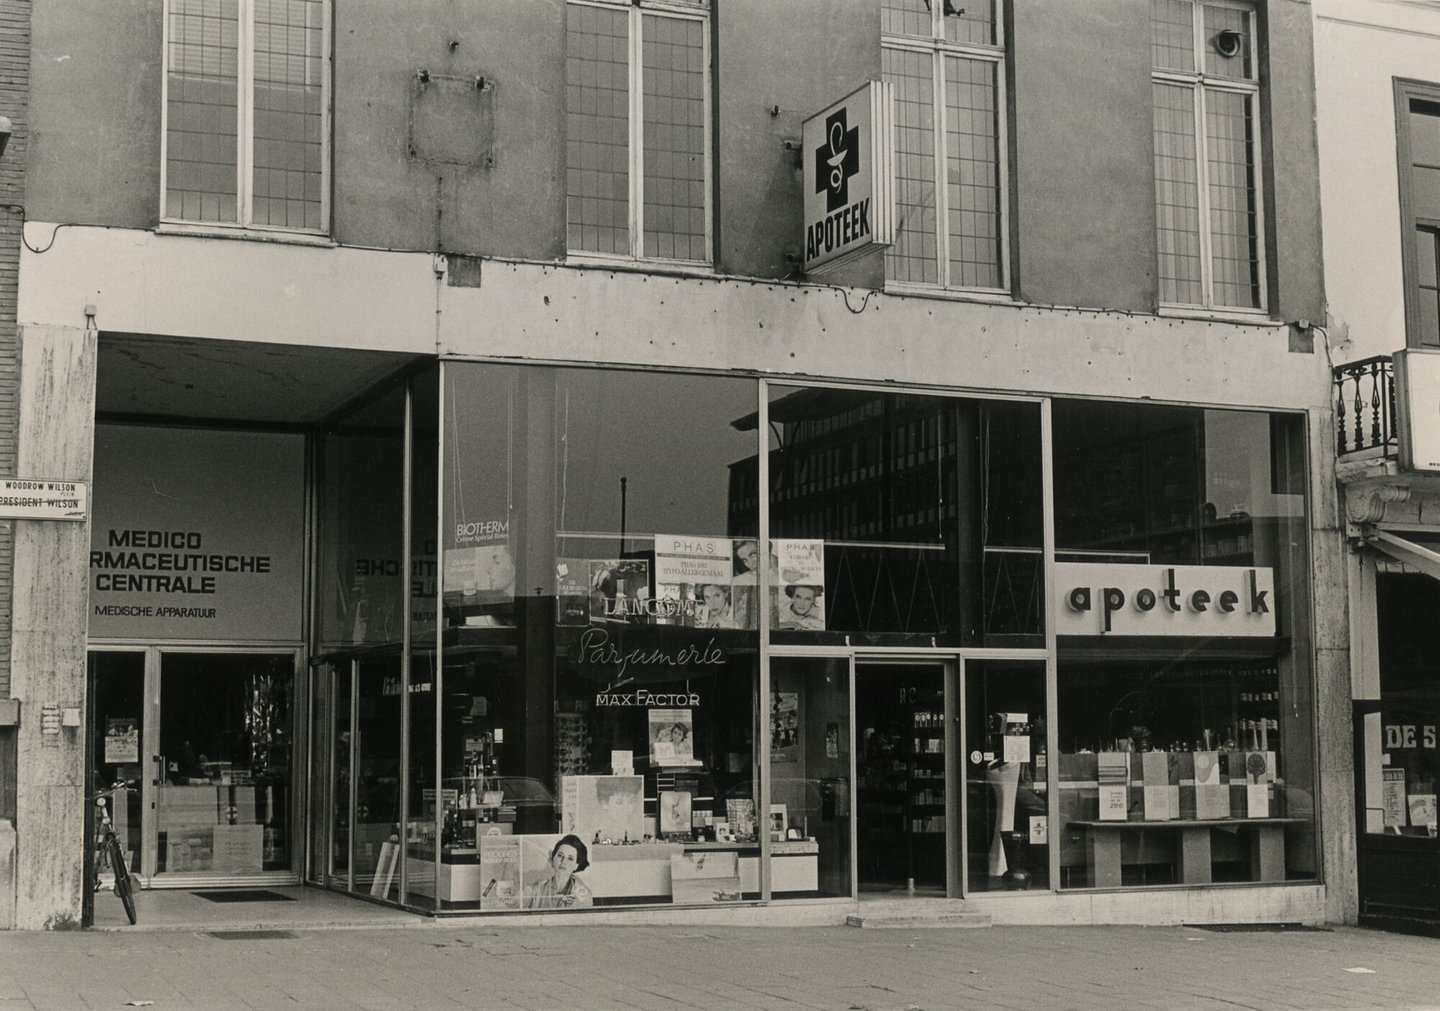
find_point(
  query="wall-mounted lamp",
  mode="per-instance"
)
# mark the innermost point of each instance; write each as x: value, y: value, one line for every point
x: 6, y: 129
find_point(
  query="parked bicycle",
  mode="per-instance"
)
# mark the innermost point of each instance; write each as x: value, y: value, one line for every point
x: 112, y: 856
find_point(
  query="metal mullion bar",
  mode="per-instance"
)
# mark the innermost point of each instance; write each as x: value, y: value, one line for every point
x: 1052, y: 678
x: 353, y: 757
x: 245, y: 114
x: 854, y: 786
x: 938, y: 125
x: 1002, y: 148
x: 637, y: 133
x: 165, y: 110
x: 406, y: 675
x: 761, y: 788
x: 1202, y: 158
x: 438, y: 664
x: 1202, y: 197
x: 327, y: 77
x: 707, y: 122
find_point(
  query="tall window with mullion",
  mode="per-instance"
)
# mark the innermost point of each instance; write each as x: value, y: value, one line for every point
x: 637, y: 151
x: 245, y: 98
x: 1418, y: 144
x: 947, y: 66
x: 1207, y: 155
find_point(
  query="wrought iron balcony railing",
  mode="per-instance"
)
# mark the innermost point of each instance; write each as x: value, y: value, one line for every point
x: 1365, y: 407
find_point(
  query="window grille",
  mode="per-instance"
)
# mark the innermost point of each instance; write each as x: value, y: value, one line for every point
x: 1208, y: 214
x: 246, y: 114
x: 637, y: 121
x: 946, y: 63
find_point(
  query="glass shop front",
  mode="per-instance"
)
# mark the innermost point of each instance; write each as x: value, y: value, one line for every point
x: 588, y: 637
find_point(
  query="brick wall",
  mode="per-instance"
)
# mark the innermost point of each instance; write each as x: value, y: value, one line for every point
x: 14, y: 92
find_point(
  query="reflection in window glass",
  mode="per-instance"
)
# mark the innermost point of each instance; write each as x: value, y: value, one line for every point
x: 1006, y: 786
x: 810, y: 777
x: 601, y: 639
x: 361, y: 588
x: 883, y: 507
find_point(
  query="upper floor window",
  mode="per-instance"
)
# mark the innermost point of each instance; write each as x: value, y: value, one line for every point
x: 246, y: 110
x: 637, y: 152
x: 1207, y: 179
x: 1418, y: 142
x: 946, y: 63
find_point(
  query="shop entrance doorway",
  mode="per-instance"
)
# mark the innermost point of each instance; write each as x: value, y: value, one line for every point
x: 195, y: 749
x: 903, y: 746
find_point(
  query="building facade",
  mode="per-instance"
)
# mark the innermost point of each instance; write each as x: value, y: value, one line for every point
x: 489, y: 513
x: 1378, y: 101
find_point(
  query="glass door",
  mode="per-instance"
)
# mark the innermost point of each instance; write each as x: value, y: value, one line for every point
x: 903, y: 742
x: 223, y: 789
x: 810, y: 775
x: 1007, y: 836
x: 118, y: 748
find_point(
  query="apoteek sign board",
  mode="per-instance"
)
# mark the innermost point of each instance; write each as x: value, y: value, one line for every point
x: 1417, y: 402
x: 1191, y: 600
x: 849, y: 165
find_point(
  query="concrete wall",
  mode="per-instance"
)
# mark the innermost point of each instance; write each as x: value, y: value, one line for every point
x: 1359, y: 50
x: 761, y: 61
x: 95, y: 113
x: 146, y: 283
x: 508, y: 195
x: 57, y: 398
x: 1085, y: 207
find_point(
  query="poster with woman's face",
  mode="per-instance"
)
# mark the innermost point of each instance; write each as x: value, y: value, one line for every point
x: 672, y: 737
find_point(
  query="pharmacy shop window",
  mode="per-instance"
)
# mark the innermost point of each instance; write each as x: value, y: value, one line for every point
x: 1185, y: 711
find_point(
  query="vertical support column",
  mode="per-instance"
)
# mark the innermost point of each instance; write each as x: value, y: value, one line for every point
x: 533, y: 460
x: 47, y: 649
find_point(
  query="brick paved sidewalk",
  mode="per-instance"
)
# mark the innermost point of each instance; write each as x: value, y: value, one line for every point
x: 604, y: 967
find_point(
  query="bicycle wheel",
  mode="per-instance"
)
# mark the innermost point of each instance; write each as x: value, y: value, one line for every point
x: 122, y: 878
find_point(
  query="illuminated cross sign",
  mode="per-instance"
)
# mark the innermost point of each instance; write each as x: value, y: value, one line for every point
x: 849, y: 178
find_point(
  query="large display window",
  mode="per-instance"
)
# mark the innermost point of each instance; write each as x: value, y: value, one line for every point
x: 1185, y: 712
x: 623, y: 677
x: 600, y: 685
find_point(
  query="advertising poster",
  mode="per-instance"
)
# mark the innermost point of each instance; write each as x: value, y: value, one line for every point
x: 479, y: 570
x: 603, y: 809
x: 800, y: 567
x: 705, y: 877
x: 1392, y: 797
x: 122, y: 740
x: 693, y: 581
x: 675, y: 812
x: 572, y: 592
x: 784, y: 726
x: 672, y: 737
x: 500, y: 870
x: 620, y: 591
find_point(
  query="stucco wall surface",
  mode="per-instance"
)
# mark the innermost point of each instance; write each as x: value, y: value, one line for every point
x: 145, y: 283
x: 1359, y: 50
x: 1085, y: 220
x: 761, y: 63
x: 95, y: 69
x: 525, y: 310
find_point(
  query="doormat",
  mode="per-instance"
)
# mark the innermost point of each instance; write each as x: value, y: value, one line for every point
x: 243, y: 895
x: 1258, y: 928
x: 251, y: 935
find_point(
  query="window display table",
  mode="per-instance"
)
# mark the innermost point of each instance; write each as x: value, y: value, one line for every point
x: 1267, y: 847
